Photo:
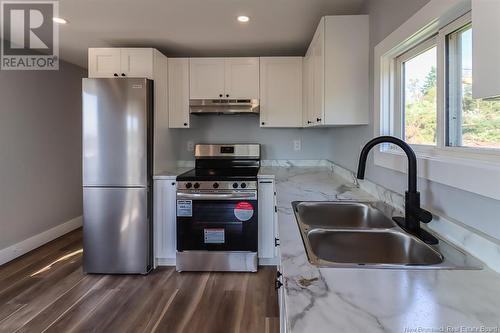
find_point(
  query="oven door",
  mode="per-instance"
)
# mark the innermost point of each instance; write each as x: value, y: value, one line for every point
x: 217, y: 221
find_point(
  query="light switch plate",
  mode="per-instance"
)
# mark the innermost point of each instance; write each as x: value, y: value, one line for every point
x: 297, y: 145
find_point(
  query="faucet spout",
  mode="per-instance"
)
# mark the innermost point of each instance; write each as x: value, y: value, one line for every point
x: 412, y: 159
x: 413, y: 213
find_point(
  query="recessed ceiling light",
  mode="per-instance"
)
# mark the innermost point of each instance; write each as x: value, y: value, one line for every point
x: 59, y: 20
x: 243, y: 18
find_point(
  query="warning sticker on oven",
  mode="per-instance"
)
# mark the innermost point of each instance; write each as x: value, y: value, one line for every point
x: 185, y: 208
x: 214, y: 236
x: 243, y: 211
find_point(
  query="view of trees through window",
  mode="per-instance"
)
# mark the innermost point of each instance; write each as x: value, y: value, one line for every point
x: 475, y: 122
x: 480, y: 119
x: 420, y: 109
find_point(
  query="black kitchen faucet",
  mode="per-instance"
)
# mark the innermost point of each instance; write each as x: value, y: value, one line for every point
x: 413, y: 213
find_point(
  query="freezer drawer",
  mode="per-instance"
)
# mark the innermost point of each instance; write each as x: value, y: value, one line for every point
x: 116, y: 231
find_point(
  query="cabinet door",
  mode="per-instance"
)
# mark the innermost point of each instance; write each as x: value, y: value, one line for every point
x: 346, y: 70
x: 485, y: 48
x: 308, y: 92
x: 276, y: 239
x: 178, y: 92
x: 165, y: 221
x: 206, y: 78
x: 282, y: 306
x: 266, y: 219
x: 104, y: 62
x: 318, y: 69
x: 281, y: 92
x: 171, y: 220
x: 159, y: 218
x: 137, y: 62
x: 242, y: 78
x: 305, y: 87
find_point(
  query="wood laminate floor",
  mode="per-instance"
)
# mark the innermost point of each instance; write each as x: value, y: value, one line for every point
x: 46, y: 291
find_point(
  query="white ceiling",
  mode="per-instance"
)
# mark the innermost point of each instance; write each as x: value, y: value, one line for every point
x: 195, y: 27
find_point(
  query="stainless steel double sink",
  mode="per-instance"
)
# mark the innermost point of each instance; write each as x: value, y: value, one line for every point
x: 359, y: 234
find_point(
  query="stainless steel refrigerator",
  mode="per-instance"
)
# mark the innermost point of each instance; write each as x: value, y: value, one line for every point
x: 117, y: 175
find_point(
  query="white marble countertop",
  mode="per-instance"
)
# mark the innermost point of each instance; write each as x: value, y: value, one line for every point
x: 371, y: 300
x: 170, y: 173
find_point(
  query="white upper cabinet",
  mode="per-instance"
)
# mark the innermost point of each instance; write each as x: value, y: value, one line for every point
x: 136, y: 62
x: 307, y: 90
x: 485, y: 48
x: 178, y: 92
x: 318, y: 73
x: 121, y: 62
x: 206, y: 78
x: 104, y: 62
x: 214, y: 78
x: 242, y: 78
x: 336, y: 72
x: 281, y: 91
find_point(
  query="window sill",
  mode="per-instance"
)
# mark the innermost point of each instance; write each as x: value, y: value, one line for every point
x: 446, y: 166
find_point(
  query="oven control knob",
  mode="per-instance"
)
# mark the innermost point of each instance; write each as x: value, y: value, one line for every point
x: 216, y: 185
x: 188, y: 185
x: 243, y: 185
x: 235, y: 185
x: 196, y: 185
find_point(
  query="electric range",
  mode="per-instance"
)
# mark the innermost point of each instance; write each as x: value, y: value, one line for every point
x: 217, y: 209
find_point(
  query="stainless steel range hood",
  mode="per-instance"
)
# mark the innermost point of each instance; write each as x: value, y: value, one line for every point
x: 223, y: 106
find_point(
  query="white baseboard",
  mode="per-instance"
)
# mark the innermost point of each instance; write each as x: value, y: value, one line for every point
x: 165, y: 261
x: 12, y: 252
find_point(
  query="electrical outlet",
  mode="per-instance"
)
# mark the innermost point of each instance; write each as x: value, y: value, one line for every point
x: 190, y: 146
x: 297, y: 145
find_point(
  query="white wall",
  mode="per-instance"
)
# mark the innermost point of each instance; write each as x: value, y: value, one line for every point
x: 40, y: 151
x: 277, y: 143
x: 474, y: 210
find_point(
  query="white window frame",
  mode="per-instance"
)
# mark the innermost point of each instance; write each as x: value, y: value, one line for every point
x: 475, y: 170
x: 454, y: 83
x: 399, y: 123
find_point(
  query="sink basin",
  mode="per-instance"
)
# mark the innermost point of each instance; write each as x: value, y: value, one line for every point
x: 338, y: 214
x: 375, y: 247
x: 362, y: 234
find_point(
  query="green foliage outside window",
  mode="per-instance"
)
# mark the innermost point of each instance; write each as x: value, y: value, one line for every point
x: 420, y: 110
x: 480, y: 121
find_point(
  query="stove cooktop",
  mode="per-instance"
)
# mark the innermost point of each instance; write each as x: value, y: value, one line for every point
x: 219, y: 174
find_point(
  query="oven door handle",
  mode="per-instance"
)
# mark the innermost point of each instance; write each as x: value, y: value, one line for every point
x: 217, y: 196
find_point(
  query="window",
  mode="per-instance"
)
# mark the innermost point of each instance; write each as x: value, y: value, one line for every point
x: 470, y: 122
x: 423, y: 95
x: 466, y: 122
x: 417, y: 68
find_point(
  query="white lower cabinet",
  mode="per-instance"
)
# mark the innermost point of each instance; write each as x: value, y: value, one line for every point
x: 268, y: 229
x: 281, y: 301
x: 165, y: 239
